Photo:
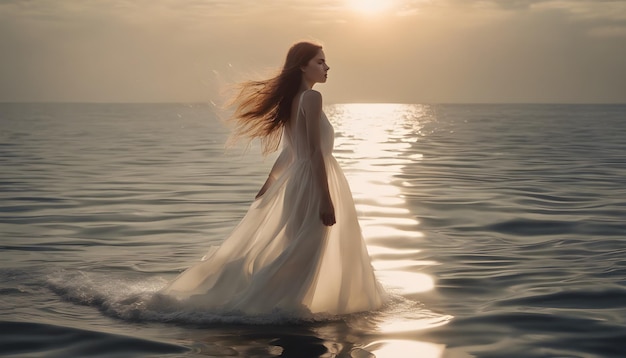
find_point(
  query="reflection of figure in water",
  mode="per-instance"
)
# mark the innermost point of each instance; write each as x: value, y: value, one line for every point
x: 287, y: 341
x: 299, y: 249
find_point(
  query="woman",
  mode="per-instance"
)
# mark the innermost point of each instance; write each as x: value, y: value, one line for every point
x: 299, y: 249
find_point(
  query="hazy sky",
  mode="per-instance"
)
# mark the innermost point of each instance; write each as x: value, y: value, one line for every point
x: 408, y: 51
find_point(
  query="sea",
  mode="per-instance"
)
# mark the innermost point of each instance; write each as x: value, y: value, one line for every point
x: 498, y: 230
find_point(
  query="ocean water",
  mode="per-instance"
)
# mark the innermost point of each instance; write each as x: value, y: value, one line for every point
x: 499, y: 230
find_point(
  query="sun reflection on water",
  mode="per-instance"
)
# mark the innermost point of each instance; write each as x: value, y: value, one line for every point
x: 374, y: 143
x: 403, y: 348
x: 405, y: 282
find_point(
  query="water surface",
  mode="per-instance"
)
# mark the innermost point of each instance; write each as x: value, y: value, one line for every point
x: 498, y: 228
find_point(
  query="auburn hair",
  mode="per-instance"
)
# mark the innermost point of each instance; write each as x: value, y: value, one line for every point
x: 263, y: 107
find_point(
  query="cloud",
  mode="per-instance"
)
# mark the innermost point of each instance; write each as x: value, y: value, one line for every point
x: 609, y: 31
x: 585, y: 9
x: 430, y: 51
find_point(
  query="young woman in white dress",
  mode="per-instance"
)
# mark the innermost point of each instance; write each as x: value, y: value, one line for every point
x: 299, y: 249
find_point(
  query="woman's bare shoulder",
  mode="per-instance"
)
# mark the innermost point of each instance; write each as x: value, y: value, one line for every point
x: 311, y: 98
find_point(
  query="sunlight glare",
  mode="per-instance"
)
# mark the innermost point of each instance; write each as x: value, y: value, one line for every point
x: 372, y: 230
x: 413, y: 324
x: 400, y: 348
x: 405, y: 282
x: 369, y: 7
x: 402, y: 264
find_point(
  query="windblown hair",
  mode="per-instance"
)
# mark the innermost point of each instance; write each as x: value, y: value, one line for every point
x: 263, y: 107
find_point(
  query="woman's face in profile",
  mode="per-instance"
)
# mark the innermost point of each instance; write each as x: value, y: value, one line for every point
x: 316, y: 71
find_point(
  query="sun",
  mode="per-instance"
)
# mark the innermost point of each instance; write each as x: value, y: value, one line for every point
x: 369, y: 7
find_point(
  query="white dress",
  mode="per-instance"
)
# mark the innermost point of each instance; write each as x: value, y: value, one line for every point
x: 281, y: 257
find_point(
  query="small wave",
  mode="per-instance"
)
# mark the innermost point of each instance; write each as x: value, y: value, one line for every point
x: 135, y: 299
x: 529, y: 227
x: 38, y: 339
x: 600, y: 299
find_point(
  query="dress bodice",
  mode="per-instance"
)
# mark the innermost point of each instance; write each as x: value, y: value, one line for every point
x: 297, y: 139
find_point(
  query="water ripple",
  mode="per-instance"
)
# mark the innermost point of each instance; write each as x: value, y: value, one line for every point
x: 500, y: 228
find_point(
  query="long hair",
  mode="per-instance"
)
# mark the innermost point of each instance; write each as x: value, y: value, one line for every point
x: 263, y: 107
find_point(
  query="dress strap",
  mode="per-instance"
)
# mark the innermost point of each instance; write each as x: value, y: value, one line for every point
x: 301, y: 97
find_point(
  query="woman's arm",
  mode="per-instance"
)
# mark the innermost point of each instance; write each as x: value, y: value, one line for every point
x: 312, y: 104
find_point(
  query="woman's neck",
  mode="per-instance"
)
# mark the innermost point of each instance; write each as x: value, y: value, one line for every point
x: 306, y: 86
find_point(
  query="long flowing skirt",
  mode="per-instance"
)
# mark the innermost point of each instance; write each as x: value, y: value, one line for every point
x: 281, y: 256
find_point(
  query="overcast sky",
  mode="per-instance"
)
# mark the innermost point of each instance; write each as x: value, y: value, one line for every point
x: 408, y: 51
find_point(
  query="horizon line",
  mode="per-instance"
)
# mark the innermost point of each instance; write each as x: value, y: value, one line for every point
x: 211, y: 103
